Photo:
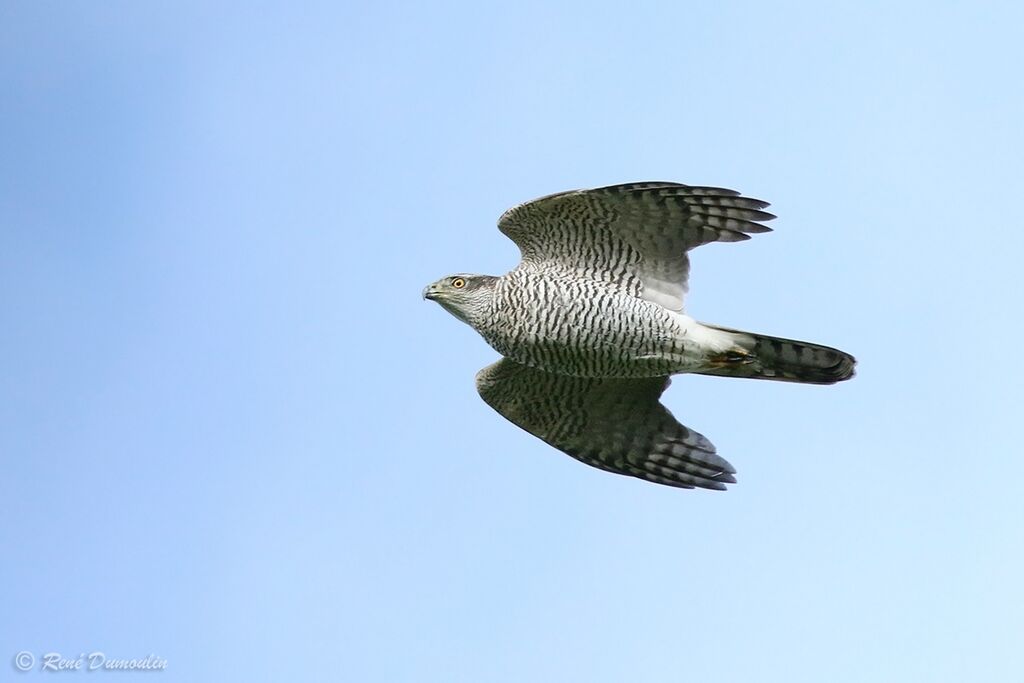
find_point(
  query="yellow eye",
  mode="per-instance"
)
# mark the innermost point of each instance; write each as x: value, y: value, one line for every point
x: 458, y: 283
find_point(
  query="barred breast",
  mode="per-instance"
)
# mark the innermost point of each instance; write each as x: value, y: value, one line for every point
x: 586, y: 328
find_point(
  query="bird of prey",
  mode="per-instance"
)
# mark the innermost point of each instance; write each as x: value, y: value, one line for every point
x: 591, y: 326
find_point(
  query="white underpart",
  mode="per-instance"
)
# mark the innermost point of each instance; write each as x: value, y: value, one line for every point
x: 667, y: 294
x: 707, y: 337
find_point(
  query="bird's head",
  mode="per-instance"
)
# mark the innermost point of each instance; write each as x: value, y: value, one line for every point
x: 467, y: 297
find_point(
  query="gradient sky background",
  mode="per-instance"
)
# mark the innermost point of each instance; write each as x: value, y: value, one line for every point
x: 235, y: 437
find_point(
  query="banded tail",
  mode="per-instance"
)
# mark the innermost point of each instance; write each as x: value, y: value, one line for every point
x: 758, y: 356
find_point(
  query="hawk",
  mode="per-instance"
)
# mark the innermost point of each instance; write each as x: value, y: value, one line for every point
x: 591, y: 326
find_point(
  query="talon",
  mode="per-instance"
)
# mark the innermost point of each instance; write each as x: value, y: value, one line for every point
x: 732, y: 357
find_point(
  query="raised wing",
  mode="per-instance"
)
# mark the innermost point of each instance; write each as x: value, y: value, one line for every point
x: 634, y: 235
x: 612, y: 424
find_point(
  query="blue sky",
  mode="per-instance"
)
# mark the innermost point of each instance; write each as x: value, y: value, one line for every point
x: 235, y: 437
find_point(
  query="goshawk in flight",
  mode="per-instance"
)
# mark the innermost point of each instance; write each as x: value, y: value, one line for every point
x: 591, y: 326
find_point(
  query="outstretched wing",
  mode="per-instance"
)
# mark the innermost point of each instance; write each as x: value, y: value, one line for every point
x: 634, y: 235
x: 613, y: 424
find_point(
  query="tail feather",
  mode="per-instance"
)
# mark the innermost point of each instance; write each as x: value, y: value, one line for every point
x: 759, y: 356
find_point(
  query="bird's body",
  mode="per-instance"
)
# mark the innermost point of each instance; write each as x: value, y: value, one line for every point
x: 591, y: 325
x: 561, y: 323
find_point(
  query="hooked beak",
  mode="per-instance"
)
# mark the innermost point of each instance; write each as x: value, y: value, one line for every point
x: 430, y: 292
